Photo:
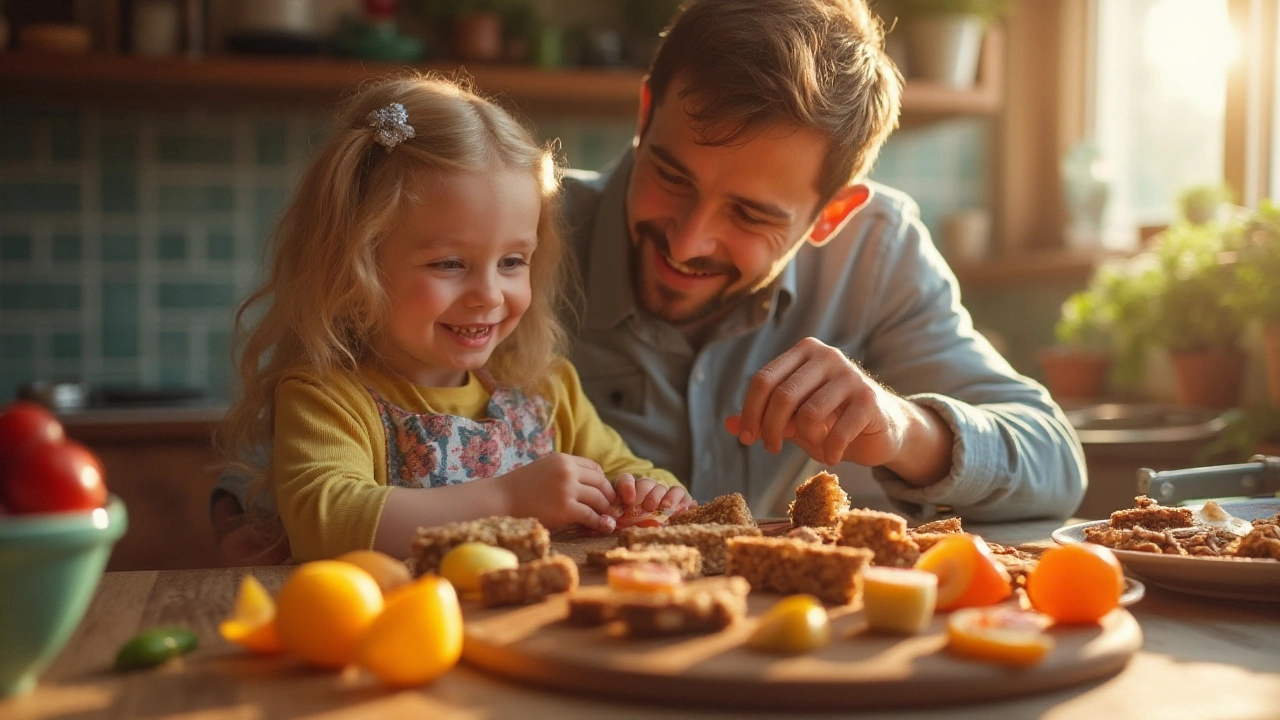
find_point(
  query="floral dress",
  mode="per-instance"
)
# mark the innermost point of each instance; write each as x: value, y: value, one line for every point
x: 435, y: 449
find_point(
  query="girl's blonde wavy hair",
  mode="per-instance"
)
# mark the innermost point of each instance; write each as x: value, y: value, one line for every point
x: 323, y: 305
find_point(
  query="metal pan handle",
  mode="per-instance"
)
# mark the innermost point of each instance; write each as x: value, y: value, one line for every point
x: 1260, y: 476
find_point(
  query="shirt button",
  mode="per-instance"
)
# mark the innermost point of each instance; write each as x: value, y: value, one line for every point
x: 765, y: 305
x: 699, y: 376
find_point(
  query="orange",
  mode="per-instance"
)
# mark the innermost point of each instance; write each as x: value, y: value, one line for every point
x: 998, y: 634
x: 418, y: 637
x: 323, y: 609
x: 968, y: 575
x: 390, y: 573
x: 1076, y: 583
x: 644, y: 578
x: 252, y: 624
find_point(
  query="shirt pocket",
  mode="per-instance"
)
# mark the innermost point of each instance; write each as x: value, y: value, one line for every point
x: 616, y: 392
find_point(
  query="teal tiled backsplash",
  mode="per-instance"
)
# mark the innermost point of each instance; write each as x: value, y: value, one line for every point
x: 127, y: 238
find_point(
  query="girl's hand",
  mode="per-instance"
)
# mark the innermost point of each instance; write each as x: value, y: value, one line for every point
x: 559, y: 490
x: 650, y: 495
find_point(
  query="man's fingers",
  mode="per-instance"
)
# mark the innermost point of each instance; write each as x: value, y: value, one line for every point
x: 761, y: 387
x: 785, y: 400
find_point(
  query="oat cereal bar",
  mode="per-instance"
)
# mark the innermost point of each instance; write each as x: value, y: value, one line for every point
x: 530, y: 582
x: 724, y: 510
x: 1152, y: 516
x: 819, y: 502
x: 883, y: 533
x: 821, y: 535
x: 708, y: 539
x: 830, y: 572
x: 526, y: 537
x: 945, y: 526
x: 704, y: 606
x: 684, y: 558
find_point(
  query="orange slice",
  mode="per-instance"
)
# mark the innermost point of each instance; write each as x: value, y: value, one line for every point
x: 644, y: 577
x: 998, y: 634
x: 968, y: 575
x: 252, y: 624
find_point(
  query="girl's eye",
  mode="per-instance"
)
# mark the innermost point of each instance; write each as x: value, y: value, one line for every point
x: 513, y: 262
x: 446, y: 265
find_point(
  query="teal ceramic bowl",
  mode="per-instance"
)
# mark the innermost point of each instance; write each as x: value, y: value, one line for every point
x: 51, y: 564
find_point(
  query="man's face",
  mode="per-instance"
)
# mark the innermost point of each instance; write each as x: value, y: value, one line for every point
x: 712, y: 225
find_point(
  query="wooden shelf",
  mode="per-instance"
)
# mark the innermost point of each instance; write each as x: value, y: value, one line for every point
x: 125, y: 79
x: 1032, y: 267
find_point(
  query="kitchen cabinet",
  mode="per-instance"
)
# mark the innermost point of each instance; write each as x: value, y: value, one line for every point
x: 161, y: 463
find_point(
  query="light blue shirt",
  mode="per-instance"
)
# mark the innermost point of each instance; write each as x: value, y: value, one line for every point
x: 882, y: 293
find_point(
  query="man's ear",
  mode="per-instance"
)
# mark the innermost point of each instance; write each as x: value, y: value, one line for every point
x: 836, y: 213
x: 642, y: 121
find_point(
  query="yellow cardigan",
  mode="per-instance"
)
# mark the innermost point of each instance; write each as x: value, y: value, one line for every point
x: 329, y: 460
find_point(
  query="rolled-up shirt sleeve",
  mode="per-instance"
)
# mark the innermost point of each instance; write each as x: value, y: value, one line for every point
x: 1015, y: 454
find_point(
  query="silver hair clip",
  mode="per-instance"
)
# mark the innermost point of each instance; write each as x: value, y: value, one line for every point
x: 391, y: 125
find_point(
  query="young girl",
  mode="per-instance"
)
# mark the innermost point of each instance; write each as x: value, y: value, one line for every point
x: 406, y: 370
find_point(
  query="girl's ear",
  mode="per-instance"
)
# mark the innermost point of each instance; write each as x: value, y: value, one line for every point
x: 837, y: 212
x: 642, y: 120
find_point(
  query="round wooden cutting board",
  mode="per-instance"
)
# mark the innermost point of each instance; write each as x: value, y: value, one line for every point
x: 858, y: 669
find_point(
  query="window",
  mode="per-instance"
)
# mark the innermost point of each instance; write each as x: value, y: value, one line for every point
x: 1159, y: 104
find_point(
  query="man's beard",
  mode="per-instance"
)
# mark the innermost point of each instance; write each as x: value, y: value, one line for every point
x: 659, y: 300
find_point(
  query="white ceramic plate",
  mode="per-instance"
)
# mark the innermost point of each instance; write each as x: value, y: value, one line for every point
x: 1231, y: 578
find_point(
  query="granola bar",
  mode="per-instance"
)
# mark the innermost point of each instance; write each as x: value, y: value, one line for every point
x: 885, y: 534
x: 787, y: 565
x: 709, y: 539
x: 686, y: 559
x: 593, y: 605
x: 704, y: 606
x: 819, y: 502
x: 725, y: 510
x: 1150, y: 515
x: 528, y: 583
x: 526, y: 537
x: 945, y: 526
x: 821, y: 535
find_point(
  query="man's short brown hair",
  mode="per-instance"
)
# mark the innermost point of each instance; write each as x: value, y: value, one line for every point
x: 817, y: 64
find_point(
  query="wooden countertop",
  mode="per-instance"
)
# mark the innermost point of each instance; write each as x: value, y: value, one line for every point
x: 1201, y: 659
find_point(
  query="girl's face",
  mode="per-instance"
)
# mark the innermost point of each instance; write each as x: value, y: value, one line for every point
x: 456, y: 270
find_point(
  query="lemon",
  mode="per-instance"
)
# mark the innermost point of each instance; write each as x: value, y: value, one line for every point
x: 796, y: 624
x: 464, y: 564
x: 323, y: 609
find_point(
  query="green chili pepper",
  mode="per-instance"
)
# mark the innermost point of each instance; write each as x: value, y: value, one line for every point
x: 153, y: 647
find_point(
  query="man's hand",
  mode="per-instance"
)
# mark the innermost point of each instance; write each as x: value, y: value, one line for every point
x: 649, y: 494
x: 816, y: 397
x: 559, y: 490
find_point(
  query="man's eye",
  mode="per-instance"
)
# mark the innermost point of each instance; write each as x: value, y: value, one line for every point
x: 670, y: 177
x: 746, y: 215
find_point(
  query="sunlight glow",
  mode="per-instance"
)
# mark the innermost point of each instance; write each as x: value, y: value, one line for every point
x: 1189, y: 49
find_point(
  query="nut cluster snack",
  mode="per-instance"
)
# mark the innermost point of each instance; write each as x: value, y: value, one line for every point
x: 709, y: 539
x: 829, y: 572
x: 819, y: 502
x: 725, y: 510
x: 1153, y: 528
x: 526, y: 537
x: 530, y: 582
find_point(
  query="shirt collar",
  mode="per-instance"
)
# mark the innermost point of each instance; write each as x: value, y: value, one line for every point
x: 612, y: 296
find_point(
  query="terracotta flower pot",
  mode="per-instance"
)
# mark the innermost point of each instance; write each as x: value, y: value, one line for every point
x: 1209, y: 378
x: 1074, y: 374
x: 1271, y: 345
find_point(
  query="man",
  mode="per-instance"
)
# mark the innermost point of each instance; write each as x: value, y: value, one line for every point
x: 754, y: 308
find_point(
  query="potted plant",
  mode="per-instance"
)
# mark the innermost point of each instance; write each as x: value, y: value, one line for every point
x: 944, y: 37
x: 1203, y: 204
x: 1189, y: 314
x: 1076, y: 368
x: 1256, y: 244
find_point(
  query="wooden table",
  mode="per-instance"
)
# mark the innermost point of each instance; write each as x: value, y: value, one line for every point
x: 1201, y: 659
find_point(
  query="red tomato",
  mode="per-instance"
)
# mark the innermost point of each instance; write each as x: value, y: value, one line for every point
x: 61, y: 477
x: 23, y: 424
